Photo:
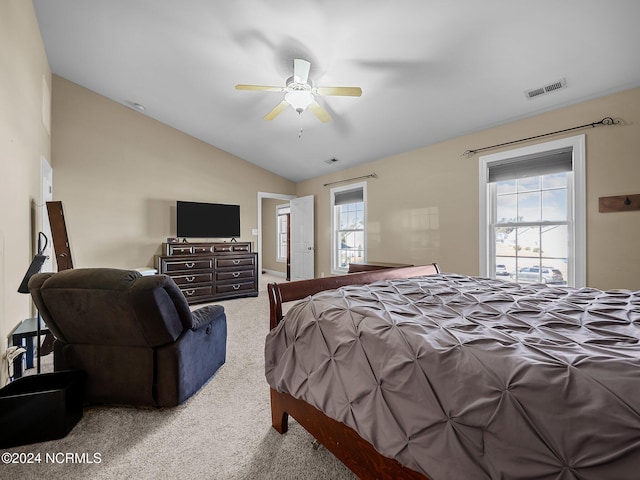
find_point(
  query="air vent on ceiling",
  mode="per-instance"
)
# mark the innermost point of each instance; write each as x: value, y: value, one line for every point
x: 552, y: 87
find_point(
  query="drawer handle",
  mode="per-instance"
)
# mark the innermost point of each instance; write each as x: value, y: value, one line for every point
x: 189, y: 292
x: 190, y: 279
x: 236, y: 262
x: 190, y: 265
x: 235, y: 274
x: 236, y: 286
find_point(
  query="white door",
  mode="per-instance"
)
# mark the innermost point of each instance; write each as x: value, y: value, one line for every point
x: 302, y: 248
x: 45, y: 227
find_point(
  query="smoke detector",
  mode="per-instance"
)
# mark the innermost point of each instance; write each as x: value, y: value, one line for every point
x: 552, y: 87
x: 331, y: 161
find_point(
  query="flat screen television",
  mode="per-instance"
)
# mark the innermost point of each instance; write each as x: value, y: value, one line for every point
x: 207, y: 220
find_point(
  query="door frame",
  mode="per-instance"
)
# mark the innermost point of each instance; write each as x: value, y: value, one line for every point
x: 46, y: 195
x: 261, y: 196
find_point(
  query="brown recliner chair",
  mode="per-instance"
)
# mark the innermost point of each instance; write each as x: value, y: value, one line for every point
x: 133, y: 335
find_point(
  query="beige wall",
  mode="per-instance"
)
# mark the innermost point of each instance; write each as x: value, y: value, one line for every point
x: 269, y: 232
x: 23, y: 141
x: 119, y: 173
x: 423, y: 207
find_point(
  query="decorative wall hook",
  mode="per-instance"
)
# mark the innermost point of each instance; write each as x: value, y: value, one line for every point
x: 620, y: 203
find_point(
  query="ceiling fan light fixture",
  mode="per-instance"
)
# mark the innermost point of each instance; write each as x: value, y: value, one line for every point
x: 300, y: 92
x: 299, y: 100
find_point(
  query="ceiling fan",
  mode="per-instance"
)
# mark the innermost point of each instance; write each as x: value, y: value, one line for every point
x: 300, y: 92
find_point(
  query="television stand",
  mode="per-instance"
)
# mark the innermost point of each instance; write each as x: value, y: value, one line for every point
x: 211, y: 271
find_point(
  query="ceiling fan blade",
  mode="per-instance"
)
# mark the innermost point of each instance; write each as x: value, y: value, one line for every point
x: 273, y: 113
x: 301, y: 70
x: 264, y: 88
x: 339, y: 91
x: 319, y: 112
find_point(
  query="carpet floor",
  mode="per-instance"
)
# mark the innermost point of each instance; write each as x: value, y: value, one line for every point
x: 222, y: 432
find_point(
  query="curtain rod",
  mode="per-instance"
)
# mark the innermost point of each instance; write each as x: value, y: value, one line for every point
x: 371, y: 175
x: 604, y: 121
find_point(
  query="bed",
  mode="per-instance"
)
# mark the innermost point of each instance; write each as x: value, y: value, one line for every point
x: 411, y: 373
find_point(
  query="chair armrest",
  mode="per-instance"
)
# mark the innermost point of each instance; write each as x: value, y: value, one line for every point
x: 205, y: 315
x: 35, y: 284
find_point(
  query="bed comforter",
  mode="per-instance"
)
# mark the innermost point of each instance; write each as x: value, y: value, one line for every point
x: 461, y: 377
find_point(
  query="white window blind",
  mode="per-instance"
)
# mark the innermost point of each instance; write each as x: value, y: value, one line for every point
x: 349, y: 196
x: 529, y: 166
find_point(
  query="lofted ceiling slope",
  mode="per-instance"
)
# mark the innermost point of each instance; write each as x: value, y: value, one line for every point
x: 430, y: 70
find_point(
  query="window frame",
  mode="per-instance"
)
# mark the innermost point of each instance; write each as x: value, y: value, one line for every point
x: 577, y: 228
x: 335, y: 269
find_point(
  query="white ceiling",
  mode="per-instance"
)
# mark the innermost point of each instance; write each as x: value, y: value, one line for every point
x: 430, y: 70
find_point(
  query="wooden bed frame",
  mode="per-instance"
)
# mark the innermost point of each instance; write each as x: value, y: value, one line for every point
x: 344, y: 442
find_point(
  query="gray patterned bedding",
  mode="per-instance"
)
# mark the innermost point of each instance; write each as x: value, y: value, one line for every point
x: 461, y: 377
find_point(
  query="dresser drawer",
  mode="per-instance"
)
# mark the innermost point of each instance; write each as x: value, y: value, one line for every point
x: 233, y: 275
x: 194, y: 292
x: 235, y: 262
x: 202, y: 249
x: 231, y: 247
x: 235, y: 286
x: 186, y: 264
x: 186, y: 280
x: 179, y: 249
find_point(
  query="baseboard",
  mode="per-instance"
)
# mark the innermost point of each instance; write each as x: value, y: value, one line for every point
x: 274, y: 272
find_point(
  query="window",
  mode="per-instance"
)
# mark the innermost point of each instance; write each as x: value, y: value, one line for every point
x: 349, y: 226
x: 532, y: 210
x: 282, y: 222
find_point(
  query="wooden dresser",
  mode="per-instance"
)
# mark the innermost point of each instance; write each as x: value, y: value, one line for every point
x: 207, y: 272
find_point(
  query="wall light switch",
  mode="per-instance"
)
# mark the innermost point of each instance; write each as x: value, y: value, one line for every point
x: 254, y: 231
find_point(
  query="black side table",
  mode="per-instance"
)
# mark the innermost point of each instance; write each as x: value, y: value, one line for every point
x: 25, y: 332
